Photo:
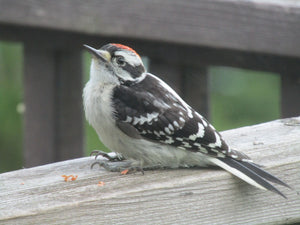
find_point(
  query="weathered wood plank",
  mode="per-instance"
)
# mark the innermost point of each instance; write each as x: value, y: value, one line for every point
x: 160, y: 51
x: 188, y: 196
x: 202, y: 56
x: 257, y: 26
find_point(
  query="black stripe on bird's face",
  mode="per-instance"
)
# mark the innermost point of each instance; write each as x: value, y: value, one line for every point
x: 134, y: 71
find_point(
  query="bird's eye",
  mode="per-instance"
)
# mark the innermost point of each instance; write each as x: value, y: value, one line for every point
x: 120, y: 61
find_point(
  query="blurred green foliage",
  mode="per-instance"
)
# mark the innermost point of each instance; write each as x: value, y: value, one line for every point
x: 11, y: 90
x: 243, y: 97
x: 238, y: 98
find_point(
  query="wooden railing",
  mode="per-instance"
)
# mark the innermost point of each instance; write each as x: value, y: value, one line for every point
x: 181, y: 38
x: 39, y: 195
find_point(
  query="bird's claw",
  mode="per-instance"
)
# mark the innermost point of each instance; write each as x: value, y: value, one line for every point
x: 96, y: 153
x: 125, y: 167
x: 111, y: 156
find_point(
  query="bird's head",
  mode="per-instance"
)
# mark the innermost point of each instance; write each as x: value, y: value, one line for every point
x: 115, y: 63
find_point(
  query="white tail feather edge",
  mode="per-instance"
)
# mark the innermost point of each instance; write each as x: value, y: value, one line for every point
x: 236, y: 172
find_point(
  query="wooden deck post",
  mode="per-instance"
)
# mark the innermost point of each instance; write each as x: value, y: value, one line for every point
x: 170, y: 73
x: 53, y: 118
x: 196, y: 89
x: 290, y: 94
x: 191, y: 83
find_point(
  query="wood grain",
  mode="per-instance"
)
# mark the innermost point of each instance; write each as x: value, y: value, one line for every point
x: 258, y: 26
x: 187, y: 196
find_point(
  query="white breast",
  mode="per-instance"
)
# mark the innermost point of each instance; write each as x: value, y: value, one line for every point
x: 98, y: 110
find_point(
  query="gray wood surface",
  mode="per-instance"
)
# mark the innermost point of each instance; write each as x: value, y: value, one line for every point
x: 259, y: 26
x: 188, y: 196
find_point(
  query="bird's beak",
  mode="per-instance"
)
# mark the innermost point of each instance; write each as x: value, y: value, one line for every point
x: 99, y: 54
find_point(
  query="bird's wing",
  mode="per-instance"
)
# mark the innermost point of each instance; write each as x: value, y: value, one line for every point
x: 158, y: 114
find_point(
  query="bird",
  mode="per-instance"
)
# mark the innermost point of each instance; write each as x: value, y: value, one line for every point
x: 141, y: 119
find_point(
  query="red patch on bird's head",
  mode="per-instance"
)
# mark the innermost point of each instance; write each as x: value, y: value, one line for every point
x: 125, y: 47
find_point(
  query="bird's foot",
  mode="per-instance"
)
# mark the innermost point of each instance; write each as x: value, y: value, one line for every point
x: 111, y: 156
x: 116, y: 163
x: 125, y: 166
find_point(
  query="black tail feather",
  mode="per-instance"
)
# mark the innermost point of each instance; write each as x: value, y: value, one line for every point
x: 264, y: 174
x: 255, y: 173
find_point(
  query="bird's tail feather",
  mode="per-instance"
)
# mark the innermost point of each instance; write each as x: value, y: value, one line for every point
x: 250, y: 173
x: 264, y: 174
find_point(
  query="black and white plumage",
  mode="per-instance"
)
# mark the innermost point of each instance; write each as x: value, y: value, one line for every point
x: 158, y: 114
x: 139, y: 116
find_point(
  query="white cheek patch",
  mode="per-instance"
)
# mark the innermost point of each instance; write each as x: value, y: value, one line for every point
x: 131, y: 58
x: 125, y: 74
